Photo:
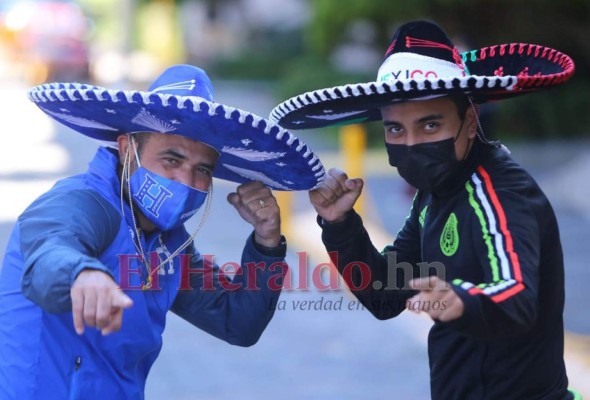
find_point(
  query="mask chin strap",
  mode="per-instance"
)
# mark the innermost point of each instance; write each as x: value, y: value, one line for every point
x: 480, y: 133
x: 457, y: 138
x: 204, y: 217
x: 459, y: 131
x: 127, y: 169
x: 125, y: 181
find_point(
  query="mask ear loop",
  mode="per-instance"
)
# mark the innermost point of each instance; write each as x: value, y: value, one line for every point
x: 124, y: 177
x: 135, y: 225
x: 135, y: 150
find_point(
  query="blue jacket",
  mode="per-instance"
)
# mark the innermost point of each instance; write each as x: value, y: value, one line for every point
x: 78, y: 224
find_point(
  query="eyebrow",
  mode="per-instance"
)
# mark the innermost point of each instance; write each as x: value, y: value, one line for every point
x: 429, y: 117
x: 173, y: 153
x: 176, y: 154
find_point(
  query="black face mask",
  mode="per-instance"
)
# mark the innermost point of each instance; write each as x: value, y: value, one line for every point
x: 426, y: 166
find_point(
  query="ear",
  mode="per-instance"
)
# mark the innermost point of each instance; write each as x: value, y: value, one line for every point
x: 122, y: 142
x: 471, y: 121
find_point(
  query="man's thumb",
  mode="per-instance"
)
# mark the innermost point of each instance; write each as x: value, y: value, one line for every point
x: 355, y: 185
x: 233, y: 199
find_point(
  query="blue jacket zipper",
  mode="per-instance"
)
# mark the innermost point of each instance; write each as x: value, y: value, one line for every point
x: 74, y: 387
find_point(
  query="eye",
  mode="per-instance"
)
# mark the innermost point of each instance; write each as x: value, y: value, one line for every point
x: 171, y: 162
x: 393, y: 128
x: 431, y: 126
x: 393, y: 131
x: 205, y: 171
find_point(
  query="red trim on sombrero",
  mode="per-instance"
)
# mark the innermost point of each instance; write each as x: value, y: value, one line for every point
x: 390, y: 47
x: 525, y: 80
x: 493, y: 73
x: 415, y: 42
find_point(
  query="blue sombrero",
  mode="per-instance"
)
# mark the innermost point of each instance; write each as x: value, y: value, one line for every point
x: 423, y: 63
x: 180, y: 102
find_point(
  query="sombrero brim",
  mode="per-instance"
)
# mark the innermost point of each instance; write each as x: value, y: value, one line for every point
x: 250, y: 147
x: 494, y: 73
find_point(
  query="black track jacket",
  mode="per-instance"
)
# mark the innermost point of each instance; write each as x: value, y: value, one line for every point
x: 494, y: 237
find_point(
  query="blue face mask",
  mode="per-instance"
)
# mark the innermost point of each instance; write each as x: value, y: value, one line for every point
x: 166, y: 203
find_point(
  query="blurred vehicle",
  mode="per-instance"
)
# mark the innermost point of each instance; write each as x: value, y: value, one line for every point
x: 45, y: 39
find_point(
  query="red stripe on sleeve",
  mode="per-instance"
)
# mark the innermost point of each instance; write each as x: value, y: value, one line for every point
x: 503, y: 224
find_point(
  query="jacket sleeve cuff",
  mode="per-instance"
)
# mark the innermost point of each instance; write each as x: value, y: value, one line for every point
x: 277, y: 251
x: 469, y: 321
x: 338, y: 233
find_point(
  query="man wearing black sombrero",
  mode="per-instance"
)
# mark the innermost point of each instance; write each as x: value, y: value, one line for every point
x: 108, y: 249
x: 480, y: 251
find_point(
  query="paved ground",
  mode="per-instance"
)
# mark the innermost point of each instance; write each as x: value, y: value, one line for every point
x: 336, y: 351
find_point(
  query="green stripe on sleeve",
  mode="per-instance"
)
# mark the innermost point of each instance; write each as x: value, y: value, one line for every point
x: 485, y: 233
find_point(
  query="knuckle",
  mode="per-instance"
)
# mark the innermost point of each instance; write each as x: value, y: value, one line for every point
x: 89, y: 317
x: 76, y: 306
x: 101, y: 322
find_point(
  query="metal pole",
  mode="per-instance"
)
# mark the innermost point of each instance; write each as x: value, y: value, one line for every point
x: 127, y: 26
x: 353, y: 142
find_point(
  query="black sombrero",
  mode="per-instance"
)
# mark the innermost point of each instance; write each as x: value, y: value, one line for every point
x: 421, y: 63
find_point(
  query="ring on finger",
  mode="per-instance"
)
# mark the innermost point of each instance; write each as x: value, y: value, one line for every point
x: 262, y: 203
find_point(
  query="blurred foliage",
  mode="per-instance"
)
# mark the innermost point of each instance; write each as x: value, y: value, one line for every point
x: 267, y: 59
x: 564, y: 25
x: 558, y: 112
x: 107, y: 30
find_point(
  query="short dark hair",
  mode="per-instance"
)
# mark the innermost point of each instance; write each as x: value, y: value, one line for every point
x: 141, y: 139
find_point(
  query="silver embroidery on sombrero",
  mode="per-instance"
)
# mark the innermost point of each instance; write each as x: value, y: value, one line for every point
x: 468, y: 83
x: 186, y: 85
x: 255, y: 176
x: 86, y: 123
x: 144, y: 118
x: 335, y: 116
x: 252, y: 155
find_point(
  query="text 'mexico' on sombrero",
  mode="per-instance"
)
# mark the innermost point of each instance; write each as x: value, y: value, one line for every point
x: 421, y: 63
x: 181, y: 102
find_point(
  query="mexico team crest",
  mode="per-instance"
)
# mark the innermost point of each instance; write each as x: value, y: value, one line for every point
x: 449, y: 238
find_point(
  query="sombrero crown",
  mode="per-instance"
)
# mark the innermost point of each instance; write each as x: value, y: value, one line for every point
x: 180, y: 102
x: 422, y: 62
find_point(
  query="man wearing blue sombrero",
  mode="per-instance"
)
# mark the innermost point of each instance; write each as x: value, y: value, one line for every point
x: 107, y: 249
x: 480, y: 250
